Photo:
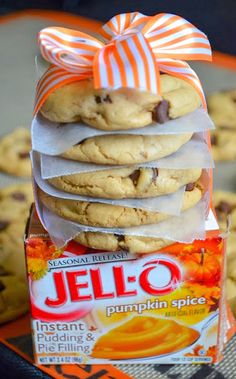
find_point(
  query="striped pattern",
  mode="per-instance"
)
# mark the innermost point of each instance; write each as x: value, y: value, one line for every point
x: 54, y: 78
x: 183, y: 71
x: 68, y: 49
x: 171, y: 36
x: 136, y: 49
x: 127, y: 63
x: 125, y: 24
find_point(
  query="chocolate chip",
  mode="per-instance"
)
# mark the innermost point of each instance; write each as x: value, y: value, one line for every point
x: 107, y: 99
x: 119, y: 237
x: 154, y: 174
x: 190, y: 187
x: 224, y: 207
x: 98, y: 99
x: 135, y: 176
x: 225, y: 127
x: 2, y: 287
x: 2, y: 271
x: 19, y: 196
x: 234, y: 99
x: 144, y: 155
x: 23, y: 155
x: 225, y: 90
x: 161, y: 112
x: 3, y: 224
x: 214, y: 140
x: 61, y: 125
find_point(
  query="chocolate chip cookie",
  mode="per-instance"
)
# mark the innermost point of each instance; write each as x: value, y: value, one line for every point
x: 9, y: 241
x: 14, y: 153
x: 15, y: 202
x: 225, y: 205
x: 126, y: 182
x: 223, y: 143
x: 124, y: 108
x: 222, y: 109
x: 109, y: 216
x: 126, y: 149
x: 115, y: 242
x: 12, y: 248
x: 231, y: 294
x: 13, y: 295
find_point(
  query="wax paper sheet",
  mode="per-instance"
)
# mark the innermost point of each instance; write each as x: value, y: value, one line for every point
x: 169, y: 204
x: 184, y: 228
x: 194, y: 154
x: 54, y: 138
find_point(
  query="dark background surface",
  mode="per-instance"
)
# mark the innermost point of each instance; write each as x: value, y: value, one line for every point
x: 217, y: 18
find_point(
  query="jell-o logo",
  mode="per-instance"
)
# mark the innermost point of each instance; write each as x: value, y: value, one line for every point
x: 156, y: 277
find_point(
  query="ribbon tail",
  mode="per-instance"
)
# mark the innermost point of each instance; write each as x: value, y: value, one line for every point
x: 182, y: 70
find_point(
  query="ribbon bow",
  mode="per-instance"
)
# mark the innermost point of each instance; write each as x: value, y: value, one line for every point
x: 131, y: 51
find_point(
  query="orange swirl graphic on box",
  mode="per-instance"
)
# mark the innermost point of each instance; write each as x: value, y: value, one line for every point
x: 144, y: 336
x: 131, y: 51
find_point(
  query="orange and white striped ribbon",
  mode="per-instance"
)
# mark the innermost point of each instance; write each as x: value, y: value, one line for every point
x: 132, y: 52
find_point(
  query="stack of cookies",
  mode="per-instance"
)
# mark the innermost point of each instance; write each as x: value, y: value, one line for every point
x: 125, y: 157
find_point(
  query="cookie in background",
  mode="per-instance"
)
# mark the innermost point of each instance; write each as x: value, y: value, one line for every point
x: 222, y: 109
x: 225, y: 205
x: 15, y: 202
x: 14, y: 153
